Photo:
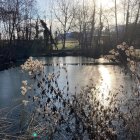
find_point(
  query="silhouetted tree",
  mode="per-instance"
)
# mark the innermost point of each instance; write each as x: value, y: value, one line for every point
x: 48, y: 36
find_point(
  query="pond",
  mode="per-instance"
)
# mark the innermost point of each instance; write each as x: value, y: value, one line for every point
x: 81, y: 72
x: 79, y: 75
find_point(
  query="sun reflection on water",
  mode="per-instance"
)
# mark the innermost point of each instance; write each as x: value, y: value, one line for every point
x: 105, y: 85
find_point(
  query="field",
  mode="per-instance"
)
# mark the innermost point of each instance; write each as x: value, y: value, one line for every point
x: 70, y: 44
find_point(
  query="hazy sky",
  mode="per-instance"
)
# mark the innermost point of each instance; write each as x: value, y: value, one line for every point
x: 43, y: 5
x: 44, y: 9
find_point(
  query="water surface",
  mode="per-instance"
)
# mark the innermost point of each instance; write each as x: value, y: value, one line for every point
x: 105, y: 77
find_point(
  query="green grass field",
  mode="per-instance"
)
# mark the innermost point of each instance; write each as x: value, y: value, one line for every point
x: 69, y: 45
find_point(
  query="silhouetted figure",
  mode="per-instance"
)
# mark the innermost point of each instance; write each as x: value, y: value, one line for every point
x: 48, y: 36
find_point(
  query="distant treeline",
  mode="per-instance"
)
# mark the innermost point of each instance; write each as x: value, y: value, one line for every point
x: 97, y: 29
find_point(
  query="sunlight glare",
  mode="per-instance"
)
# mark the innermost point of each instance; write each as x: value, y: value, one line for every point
x: 105, y: 85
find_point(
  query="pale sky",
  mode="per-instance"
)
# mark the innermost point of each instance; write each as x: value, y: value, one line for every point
x: 44, y: 5
x: 44, y: 8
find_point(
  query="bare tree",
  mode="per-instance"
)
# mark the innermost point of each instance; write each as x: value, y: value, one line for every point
x: 133, y: 34
x: 127, y: 21
x: 116, y: 22
x: 16, y: 17
x: 92, y: 24
x: 85, y: 23
x: 64, y: 11
x: 100, y: 26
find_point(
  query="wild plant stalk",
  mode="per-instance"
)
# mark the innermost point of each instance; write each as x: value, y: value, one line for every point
x: 126, y: 55
x: 58, y: 114
x: 74, y: 116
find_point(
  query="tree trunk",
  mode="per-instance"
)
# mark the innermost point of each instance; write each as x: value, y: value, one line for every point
x: 92, y: 27
x: 64, y: 40
x: 125, y: 38
x: 133, y: 34
x: 116, y: 22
